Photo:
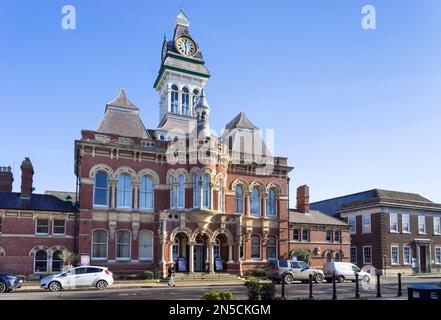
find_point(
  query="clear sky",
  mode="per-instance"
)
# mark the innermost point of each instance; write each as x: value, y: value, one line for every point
x: 352, y: 109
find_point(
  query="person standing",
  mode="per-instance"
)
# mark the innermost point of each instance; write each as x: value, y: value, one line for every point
x: 171, y: 275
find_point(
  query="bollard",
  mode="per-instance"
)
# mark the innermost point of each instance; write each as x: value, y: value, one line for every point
x: 283, y: 287
x: 357, y: 289
x: 378, y: 286
x: 334, y: 289
x: 310, y: 287
x: 399, y: 285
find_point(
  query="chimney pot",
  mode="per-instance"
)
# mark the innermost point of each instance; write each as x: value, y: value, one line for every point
x: 6, y: 179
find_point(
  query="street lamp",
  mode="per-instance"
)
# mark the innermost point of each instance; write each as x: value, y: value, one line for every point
x: 289, y: 236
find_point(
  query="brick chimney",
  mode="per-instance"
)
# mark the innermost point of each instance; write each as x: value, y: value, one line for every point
x: 27, y: 172
x: 6, y: 179
x: 303, y: 198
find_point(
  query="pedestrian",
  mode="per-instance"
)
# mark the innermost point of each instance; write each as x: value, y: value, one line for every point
x: 171, y: 275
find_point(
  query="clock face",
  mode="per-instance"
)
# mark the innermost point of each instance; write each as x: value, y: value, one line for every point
x: 185, y: 46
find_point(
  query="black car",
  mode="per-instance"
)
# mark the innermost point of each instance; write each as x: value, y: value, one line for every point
x: 9, y: 282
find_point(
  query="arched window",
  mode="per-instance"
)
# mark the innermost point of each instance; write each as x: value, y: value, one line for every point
x: 171, y: 183
x: 57, y: 262
x: 40, y: 264
x: 337, y: 257
x: 272, y: 203
x: 206, y: 191
x: 220, y: 195
x: 123, y: 239
x: 174, y: 96
x: 101, y: 189
x: 238, y: 195
x: 271, y: 247
x: 216, y: 249
x: 196, y: 192
x: 185, y: 102
x: 124, y: 191
x: 99, y: 245
x: 255, y: 247
x: 195, y: 98
x: 176, y: 249
x: 146, y: 193
x: 328, y: 257
x: 255, y: 202
x: 181, y: 191
x: 145, y: 250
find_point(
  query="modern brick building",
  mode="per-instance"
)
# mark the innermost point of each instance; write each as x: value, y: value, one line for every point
x: 34, y: 228
x: 325, y: 237
x: 393, y: 231
x: 150, y: 197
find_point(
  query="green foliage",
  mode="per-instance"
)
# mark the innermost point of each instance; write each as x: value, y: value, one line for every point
x: 303, y: 255
x: 253, y: 286
x: 147, y: 275
x: 268, y: 291
x: 218, y: 295
x: 258, y: 273
x: 43, y: 275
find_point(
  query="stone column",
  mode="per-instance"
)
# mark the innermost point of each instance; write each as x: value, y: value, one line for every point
x: 180, y: 100
x: 170, y: 258
x: 264, y: 206
x: 210, y: 193
x: 211, y: 255
x: 230, y: 253
x: 136, y: 195
x: 191, y: 259
x: 247, y: 202
x: 113, y: 193
x: 169, y: 99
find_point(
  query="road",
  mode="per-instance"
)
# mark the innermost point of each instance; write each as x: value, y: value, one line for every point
x: 345, y: 290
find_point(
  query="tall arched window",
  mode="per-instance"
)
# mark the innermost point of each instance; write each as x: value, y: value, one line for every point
x: 99, y: 245
x: 220, y: 195
x: 123, y: 239
x: 272, y: 203
x: 271, y: 247
x: 145, y: 250
x: 185, y: 102
x: 206, y: 191
x: 124, y: 191
x: 40, y: 264
x: 196, y: 192
x: 329, y: 257
x: 101, y: 189
x: 216, y: 249
x: 238, y: 196
x: 181, y: 191
x: 57, y: 262
x: 146, y: 193
x: 255, y: 202
x: 337, y: 257
x: 255, y: 247
x: 171, y: 183
x: 174, y: 96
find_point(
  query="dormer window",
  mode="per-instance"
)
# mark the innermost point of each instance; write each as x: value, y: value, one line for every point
x: 174, y: 102
x: 185, y: 102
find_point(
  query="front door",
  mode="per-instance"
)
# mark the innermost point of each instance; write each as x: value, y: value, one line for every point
x: 423, y: 266
x: 198, y: 258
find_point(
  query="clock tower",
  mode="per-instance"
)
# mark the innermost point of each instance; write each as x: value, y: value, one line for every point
x: 180, y: 81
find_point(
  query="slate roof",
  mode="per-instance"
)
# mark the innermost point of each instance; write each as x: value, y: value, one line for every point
x: 374, y: 196
x: 313, y: 217
x: 240, y: 122
x: 37, y: 202
x: 122, y: 118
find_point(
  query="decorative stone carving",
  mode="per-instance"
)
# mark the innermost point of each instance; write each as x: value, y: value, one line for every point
x: 112, y: 229
x: 102, y: 138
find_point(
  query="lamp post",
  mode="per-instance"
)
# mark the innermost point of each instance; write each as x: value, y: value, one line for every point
x: 289, y: 236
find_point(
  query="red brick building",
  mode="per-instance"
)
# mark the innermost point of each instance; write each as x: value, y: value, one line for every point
x: 149, y: 197
x: 34, y: 228
x: 325, y: 237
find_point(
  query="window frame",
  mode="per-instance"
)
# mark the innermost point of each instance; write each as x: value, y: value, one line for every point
x: 392, y: 262
x: 92, y: 257
x: 437, y: 232
x: 395, y: 215
x: 253, y: 246
x: 404, y: 255
x: 337, y: 232
x: 354, y: 219
x: 174, y: 97
x: 364, y: 224
x: 220, y: 195
x: 405, y: 221
x: 308, y: 235
x: 95, y: 205
x: 299, y: 234
x: 119, y: 243
x: 124, y: 192
x: 419, y: 224
x: 437, y: 261
x: 242, y: 199
x: 256, y: 192
x: 196, y: 191
x: 353, y: 253
x: 146, y: 194
x: 331, y: 233
x: 180, y: 192
x: 272, y: 247
x: 364, y: 255
x: 146, y: 245
x: 35, y: 262
x: 37, y: 225
x: 271, y: 203
x: 53, y: 227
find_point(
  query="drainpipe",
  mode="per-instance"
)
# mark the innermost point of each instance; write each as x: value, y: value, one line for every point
x: 289, y: 237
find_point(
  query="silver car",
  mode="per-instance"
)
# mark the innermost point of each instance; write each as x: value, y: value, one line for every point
x: 292, y: 271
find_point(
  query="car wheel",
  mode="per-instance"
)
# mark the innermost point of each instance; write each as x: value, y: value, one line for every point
x: 54, y: 286
x: 101, y: 285
x: 341, y: 279
x: 289, y: 278
x: 2, y: 287
x: 318, y: 278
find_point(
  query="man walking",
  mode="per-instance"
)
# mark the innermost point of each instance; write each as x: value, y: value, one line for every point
x: 171, y: 275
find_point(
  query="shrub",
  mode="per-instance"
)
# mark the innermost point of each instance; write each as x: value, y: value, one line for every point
x: 43, y: 275
x: 253, y: 286
x: 258, y: 273
x: 218, y: 295
x: 303, y: 255
x: 148, y: 275
x: 268, y: 291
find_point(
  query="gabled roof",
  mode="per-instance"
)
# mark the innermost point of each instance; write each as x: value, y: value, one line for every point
x: 37, y: 202
x: 122, y: 118
x: 313, y: 217
x: 240, y: 122
x: 360, y: 199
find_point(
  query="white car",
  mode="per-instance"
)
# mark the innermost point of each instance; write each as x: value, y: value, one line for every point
x: 99, y: 277
x: 344, y: 271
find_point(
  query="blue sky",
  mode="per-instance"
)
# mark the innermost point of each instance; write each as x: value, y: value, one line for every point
x: 352, y: 109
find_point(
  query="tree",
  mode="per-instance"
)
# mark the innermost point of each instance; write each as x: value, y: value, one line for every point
x: 303, y: 255
x: 68, y: 257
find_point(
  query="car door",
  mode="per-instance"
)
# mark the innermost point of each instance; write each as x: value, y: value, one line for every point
x: 93, y: 275
x: 68, y: 279
x: 80, y: 277
x: 355, y: 270
x: 304, y: 270
x: 295, y: 270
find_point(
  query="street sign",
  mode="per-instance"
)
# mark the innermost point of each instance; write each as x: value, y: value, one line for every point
x: 85, y: 259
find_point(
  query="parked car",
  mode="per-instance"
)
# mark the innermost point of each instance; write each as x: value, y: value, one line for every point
x: 344, y: 271
x: 292, y: 271
x: 9, y: 282
x: 90, y: 276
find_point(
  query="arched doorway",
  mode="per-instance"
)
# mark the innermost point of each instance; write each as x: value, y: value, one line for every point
x: 200, y: 253
x: 221, y: 253
x: 178, y: 251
